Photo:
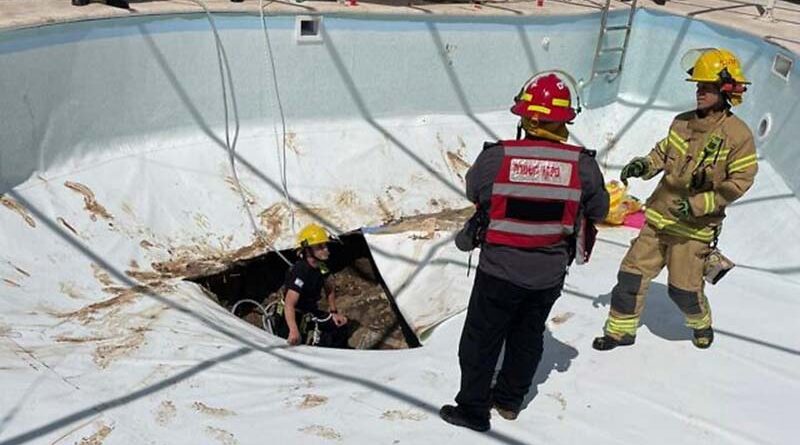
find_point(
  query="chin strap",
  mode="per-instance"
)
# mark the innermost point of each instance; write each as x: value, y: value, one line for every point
x: 554, y: 131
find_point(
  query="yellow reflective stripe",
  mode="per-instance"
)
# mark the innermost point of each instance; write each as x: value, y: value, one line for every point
x: 563, y: 103
x: 527, y: 97
x: 677, y: 145
x: 539, y: 108
x: 678, y: 139
x: 662, y: 145
x: 674, y: 230
x: 677, y: 228
x: 618, y: 326
x: 723, y: 154
x: 678, y: 142
x: 631, y: 322
x: 742, y: 163
x: 708, y: 198
x: 654, y: 217
x: 699, y: 323
x: 657, y: 219
x: 682, y: 231
x: 743, y: 160
x: 742, y: 167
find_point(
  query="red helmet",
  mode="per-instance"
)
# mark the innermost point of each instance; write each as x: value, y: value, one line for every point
x: 545, y: 97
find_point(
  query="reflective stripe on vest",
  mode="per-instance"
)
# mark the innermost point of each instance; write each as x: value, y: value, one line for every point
x: 543, y: 152
x: 535, y: 195
x: 530, y: 229
x: 532, y: 191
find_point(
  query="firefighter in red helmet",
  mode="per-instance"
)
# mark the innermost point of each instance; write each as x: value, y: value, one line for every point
x: 534, y: 194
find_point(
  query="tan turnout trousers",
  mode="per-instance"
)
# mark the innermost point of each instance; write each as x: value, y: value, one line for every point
x: 647, y: 256
x: 710, y: 162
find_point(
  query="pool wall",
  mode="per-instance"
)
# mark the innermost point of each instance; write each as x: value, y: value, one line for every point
x: 383, y: 117
x: 77, y: 89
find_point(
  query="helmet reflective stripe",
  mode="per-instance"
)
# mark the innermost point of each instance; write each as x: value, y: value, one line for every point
x: 528, y: 191
x: 539, y: 108
x: 563, y: 103
x: 529, y: 229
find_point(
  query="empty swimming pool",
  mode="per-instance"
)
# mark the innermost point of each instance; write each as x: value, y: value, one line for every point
x: 136, y: 152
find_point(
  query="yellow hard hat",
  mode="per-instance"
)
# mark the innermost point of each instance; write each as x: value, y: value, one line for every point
x: 716, y: 65
x: 711, y: 64
x: 312, y: 235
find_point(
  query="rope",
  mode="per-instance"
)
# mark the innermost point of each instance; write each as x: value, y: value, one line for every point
x: 264, y: 321
x: 281, y: 153
x: 222, y: 60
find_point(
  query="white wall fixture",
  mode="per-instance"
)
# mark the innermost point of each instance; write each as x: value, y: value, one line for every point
x: 782, y: 66
x: 308, y: 29
x: 764, y: 126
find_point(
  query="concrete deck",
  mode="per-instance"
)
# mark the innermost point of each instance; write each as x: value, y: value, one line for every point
x: 747, y: 16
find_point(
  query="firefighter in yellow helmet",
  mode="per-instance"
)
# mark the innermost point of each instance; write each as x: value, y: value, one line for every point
x: 305, y: 283
x: 708, y: 160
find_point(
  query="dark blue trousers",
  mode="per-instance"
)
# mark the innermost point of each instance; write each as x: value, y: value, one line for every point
x: 501, y: 312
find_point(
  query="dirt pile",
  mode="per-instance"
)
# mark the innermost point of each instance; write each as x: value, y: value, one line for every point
x: 360, y: 297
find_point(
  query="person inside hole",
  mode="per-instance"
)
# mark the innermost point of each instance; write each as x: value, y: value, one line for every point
x: 303, y: 321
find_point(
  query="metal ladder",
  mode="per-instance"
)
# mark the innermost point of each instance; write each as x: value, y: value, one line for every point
x: 612, y: 73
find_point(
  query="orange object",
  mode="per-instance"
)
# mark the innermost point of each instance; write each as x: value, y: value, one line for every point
x: 620, y: 203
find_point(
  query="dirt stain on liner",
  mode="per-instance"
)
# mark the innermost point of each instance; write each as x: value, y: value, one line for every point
x: 215, y: 412
x: 11, y: 283
x: 19, y: 209
x: 89, y: 201
x: 98, y: 437
x: 69, y: 227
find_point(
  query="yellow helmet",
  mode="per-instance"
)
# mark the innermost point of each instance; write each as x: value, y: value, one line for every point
x: 312, y: 235
x: 709, y: 64
x: 716, y: 65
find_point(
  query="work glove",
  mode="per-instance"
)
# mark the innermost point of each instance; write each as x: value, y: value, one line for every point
x: 633, y: 169
x: 681, y: 208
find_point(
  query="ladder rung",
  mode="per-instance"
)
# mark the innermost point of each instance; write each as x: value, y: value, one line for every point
x: 618, y: 49
x: 609, y: 71
x: 617, y: 28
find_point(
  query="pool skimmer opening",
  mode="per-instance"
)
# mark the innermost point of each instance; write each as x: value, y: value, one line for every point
x: 308, y: 29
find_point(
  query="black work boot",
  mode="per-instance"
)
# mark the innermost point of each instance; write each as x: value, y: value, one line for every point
x: 456, y: 416
x: 606, y: 343
x: 703, y: 338
x: 506, y: 413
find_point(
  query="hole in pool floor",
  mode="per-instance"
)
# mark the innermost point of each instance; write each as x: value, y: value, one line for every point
x: 361, y: 293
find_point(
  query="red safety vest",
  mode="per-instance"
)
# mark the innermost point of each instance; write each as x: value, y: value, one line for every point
x: 536, y: 194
